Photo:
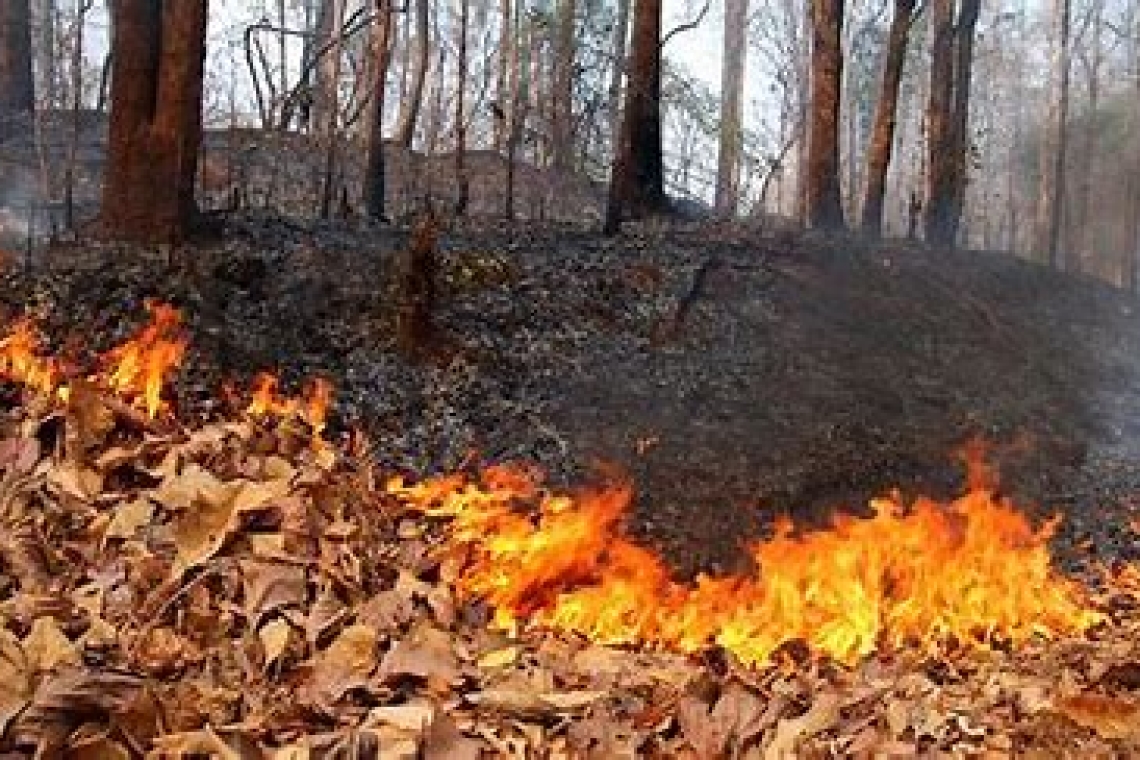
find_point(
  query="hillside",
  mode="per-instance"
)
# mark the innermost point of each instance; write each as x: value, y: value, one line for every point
x: 803, y: 374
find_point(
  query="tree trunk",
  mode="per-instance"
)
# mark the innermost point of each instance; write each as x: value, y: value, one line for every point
x: 960, y: 120
x: 561, y: 111
x: 462, y: 189
x: 374, y: 179
x: 883, y: 131
x: 328, y: 92
x: 17, y: 88
x: 520, y: 84
x: 617, y: 74
x: 507, y: 57
x: 824, y: 204
x: 637, y: 177
x: 1051, y: 205
x: 323, y: 96
x: 731, y: 108
x: 939, y: 168
x: 410, y: 108
x: 156, y: 120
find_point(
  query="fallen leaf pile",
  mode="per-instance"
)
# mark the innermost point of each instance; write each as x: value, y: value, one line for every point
x: 237, y: 591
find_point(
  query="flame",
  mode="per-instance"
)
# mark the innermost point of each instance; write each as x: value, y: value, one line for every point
x: 21, y: 360
x: 311, y: 407
x: 969, y: 573
x: 139, y: 368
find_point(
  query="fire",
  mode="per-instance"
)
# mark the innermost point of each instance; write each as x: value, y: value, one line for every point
x: 311, y: 407
x: 21, y: 360
x: 970, y: 573
x: 140, y: 367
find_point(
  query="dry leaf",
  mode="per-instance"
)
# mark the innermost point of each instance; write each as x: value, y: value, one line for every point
x: 15, y: 678
x: 129, y: 518
x: 195, y: 743
x: 72, y: 478
x: 346, y: 664
x: 269, y: 586
x: 413, y: 716
x: 425, y: 653
x: 713, y: 731
x: 1110, y: 717
x: 19, y: 454
x: 47, y: 648
x: 443, y: 741
x: 274, y: 637
x: 791, y: 732
x: 499, y: 658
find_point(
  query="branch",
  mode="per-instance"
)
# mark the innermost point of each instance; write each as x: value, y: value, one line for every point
x: 688, y: 26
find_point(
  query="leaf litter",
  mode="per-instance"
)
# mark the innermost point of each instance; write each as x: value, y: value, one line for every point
x: 251, y: 598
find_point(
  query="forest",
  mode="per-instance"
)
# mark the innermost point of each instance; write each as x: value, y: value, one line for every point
x: 569, y: 379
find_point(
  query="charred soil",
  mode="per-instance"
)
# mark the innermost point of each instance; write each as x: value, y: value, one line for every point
x: 732, y: 375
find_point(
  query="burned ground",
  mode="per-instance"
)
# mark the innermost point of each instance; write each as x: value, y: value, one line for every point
x: 732, y: 375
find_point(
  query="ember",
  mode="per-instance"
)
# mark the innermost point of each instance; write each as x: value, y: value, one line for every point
x: 969, y: 573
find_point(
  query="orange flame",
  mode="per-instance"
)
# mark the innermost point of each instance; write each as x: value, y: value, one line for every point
x: 21, y: 362
x: 970, y: 573
x: 311, y: 407
x: 140, y: 367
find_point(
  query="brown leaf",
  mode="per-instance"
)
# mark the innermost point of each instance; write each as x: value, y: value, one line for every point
x: 47, y: 648
x: 269, y: 586
x: 195, y: 743
x: 1110, y: 717
x: 443, y: 741
x: 129, y: 518
x: 19, y: 454
x: 275, y: 636
x: 346, y: 664
x: 713, y: 731
x: 425, y: 653
x: 413, y: 716
x: 15, y: 678
x: 791, y: 732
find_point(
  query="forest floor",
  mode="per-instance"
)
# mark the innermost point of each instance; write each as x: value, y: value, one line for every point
x: 801, y: 374
x: 733, y: 375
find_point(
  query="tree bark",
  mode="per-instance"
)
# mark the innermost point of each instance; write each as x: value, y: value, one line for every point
x: 156, y: 120
x: 886, y: 110
x: 410, y: 108
x: 960, y: 120
x: 939, y: 168
x: 461, y: 182
x: 1051, y: 205
x: 17, y: 88
x: 824, y: 203
x: 637, y: 176
x: 731, y: 108
x: 617, y: 73
x: 504, y: 77
x: 561, y: 112
x: 374, y: 173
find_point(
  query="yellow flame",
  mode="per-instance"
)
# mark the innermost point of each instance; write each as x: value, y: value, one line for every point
x: 931, y: 575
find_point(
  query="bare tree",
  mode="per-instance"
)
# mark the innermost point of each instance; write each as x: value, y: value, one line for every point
x: 381, y: 57
x: 563, y: 91
x: 1051, y: 201
x: 461, y: 181
x: 156, y: 119
x: 617, y: 73
x: 883, y: 132
x: 410, y: 108
x: 637, y: 175
x: 731, y: 107
x: 824, y: 204
x: 17, y: 88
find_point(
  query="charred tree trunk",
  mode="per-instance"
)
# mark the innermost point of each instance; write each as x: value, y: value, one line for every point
x: 374, y: 173
x: 156, y: 119
x: 960, y: 122
x: 637, y: 177
x: 883, y: 131
x: 17, y: 88
x: 939, y: 168
x: 824, y: 203
x: 410, y: 108
x: 947, y: 119
x: 731, y: 107
x: 502, y: 104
